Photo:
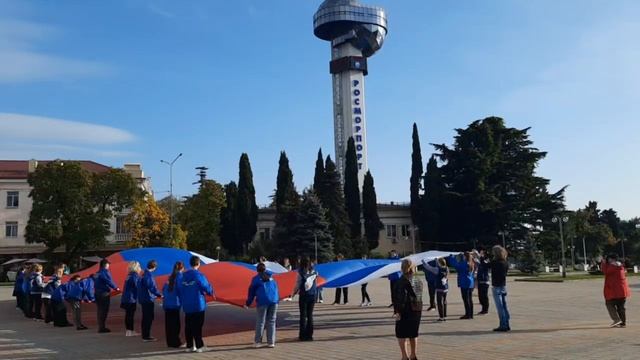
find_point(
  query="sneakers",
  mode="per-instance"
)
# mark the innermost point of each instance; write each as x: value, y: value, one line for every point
x: 130, y: 333
x: 369, y: 303
x: 431, y: 308
x: 257, y: 345
x: 202, y: 349
x: 150, y: 339
x: 442, y: 320
x: 81, y: 327
x: 320, y: 301
x: 615, y: 324
x: 191, y: 349
x: 271, y: 346
x: 484, y: 312
x: 363, y: 304
x: 104, y: 331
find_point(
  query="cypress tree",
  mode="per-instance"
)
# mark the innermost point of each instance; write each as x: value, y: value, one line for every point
x: 332, y: 200
x: 352, y: 190
x: 285, y: 189
x: 372, y: 223
x: 247, y: 210
x: 319, y: 173
x: 430, y: 217
x: 228, y: 233
x: 416, y: 175
x: 287, y: 203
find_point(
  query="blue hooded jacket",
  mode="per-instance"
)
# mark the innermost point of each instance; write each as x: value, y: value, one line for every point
x: 17, y: 286
x: 465, y: 277
x: 89, y: 289
x: 104, y: 282
x: 147, y: 290
x: 75, y: 290
x: 265, y: 292
x: 59, y: 293
x: 191, y: 291
x: 130, y: 292
x: 171, y: 299
x: 26, y: 283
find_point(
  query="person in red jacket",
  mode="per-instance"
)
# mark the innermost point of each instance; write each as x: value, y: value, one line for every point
x: 616, y: 290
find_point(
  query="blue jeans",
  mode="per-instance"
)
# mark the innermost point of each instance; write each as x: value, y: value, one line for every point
x: 500, y: 298
x: 266, y: 314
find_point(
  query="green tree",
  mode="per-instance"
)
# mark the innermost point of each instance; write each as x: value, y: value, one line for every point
x: 168, y: 203
x: 247, y: 210
x: 287, y: 203
x: 72, y: 207
x: 318, y: 175
x: 489, y: 174
x: 372, y: 223
x: 429, y: 220
x: 416, y: 176
x: 332, y: 200
x: 311, y: 226
x: 352, y: 191
x: 228, y: 220
x: 200, y: 217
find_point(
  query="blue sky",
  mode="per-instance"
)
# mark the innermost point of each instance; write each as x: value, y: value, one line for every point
x: 139, y: 81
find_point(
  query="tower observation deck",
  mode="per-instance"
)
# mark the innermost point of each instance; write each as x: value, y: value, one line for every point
x: 356, y: 32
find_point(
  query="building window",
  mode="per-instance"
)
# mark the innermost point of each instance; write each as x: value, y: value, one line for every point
x: 392, y: 231
x: 11, y: 229
x: 405, y: 230
x: 121, y: 228
x: 13, y: 199
x: 265, y: 234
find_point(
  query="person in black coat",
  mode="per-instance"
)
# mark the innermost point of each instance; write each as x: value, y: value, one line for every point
x: 407, y: 305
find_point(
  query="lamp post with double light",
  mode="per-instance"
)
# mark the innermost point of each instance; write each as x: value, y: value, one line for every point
x: 560, y: 220
x: 170, y: 164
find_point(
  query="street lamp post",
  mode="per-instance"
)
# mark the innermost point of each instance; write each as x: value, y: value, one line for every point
x: 315, y: 240
x: 218, y: 249
x: 561, y: 220
x: 170, y: 163
x: 504, y: 242
x: 584, y: 249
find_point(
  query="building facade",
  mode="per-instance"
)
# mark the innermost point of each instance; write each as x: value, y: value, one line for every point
x: 398, y: 233
x: 15, y: 206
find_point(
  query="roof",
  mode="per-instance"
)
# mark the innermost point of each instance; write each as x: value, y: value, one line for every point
x: 19, y: 169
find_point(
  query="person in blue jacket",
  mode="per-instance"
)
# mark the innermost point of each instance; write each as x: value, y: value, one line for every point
x: 147, y: 294
x: 191, y: 291
x: 17, y: 289
x: 58, y: 308
x: 264, y: 290
x: 54, y: 281
x: 75, y: 293
x: 466, y: 267
x: 103, y: 285
x: 37, y: 286
x: 171, y: 306
x: 26, y: 290
x: 431, y: 285
x: 129, y: 299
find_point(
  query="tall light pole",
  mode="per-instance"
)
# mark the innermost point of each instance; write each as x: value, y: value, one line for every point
x: 503, y: 233
x: 170, y: 163
x: 584, y: 249
x: 315, y: 240
x: 560, y: 220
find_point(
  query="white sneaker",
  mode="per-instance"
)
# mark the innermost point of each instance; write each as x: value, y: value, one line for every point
x: 369, y: 303
x: 257, y: 345
x: 363, y: 304
x: 271, y: 346
x: 191, y: 349
x: 202, y: 349
x: 127, y: 333
x: 615, y: 324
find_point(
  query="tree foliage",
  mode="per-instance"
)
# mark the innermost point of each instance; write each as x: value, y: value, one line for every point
x: 72, y: 207
x: 200, y: 217
x: 287, y: 206
x: 332, y: 199
x: 372, y: 223
x: 246, y: 208
x: 432, y: 207
x: 311, y: 225
x: 318, y: 175
x: 352, y: 192
x: 228, y: 218
x: 416, y: 176
x: 148, y: 224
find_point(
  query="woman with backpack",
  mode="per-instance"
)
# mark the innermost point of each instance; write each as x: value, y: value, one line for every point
x: 265, y: 291
x: 441, y: 274
x: 407, y: 309
x: 37, y: 286
x: 306, y: 286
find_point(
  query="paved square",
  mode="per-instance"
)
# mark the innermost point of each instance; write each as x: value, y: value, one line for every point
x: 549, y: 320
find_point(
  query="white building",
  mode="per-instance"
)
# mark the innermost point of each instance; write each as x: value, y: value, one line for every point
x: 398, y: 233
x: 15, y: 206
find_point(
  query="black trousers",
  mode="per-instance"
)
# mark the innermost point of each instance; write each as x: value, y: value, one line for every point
x: 129, y: 315
x: 616, y: 309
x: 441, y: 298
x: 172, y: 327
x: 48, y: 314
x: 147, y: 319
x: 432, y: 294
x: 365, y: 294
x: 467, y: 299
x: 391, y: 284
x: 483, y: 296
x: 345, y: 292
x: 59, y: 311
x: 306, y: 306
x: 26, y: 305
x: 103, y: 301
x: 18, y: 300
x: 36, y: 306
x: 193, y: 323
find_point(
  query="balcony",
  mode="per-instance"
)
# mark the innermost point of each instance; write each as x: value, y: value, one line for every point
x: 121, y: 238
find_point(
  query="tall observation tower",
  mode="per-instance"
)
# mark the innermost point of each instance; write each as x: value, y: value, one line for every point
x: 356, y: 32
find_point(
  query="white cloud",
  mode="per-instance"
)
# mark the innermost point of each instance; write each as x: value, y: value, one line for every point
x: 22, y: 62
x: 28, y: 127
